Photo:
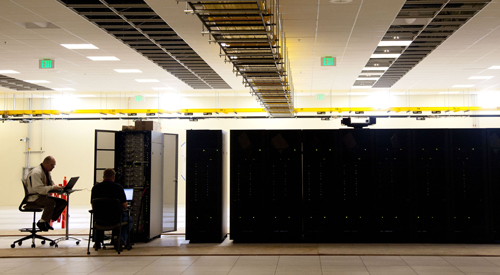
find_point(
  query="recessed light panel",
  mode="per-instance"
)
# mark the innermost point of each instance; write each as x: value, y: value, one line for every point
x: 381, y: 55
x: 147, y: 80
x: 462, y: 86
x: 368, y: 78
x: 394, y: 43
x: 37, y: 81
x: 361, y: 87
x: 8, y: 72
x: 128, y: 71
x: 162, y: 88
x: 103, y: 58
x: 481, y: 77
x: 375, y: 68
x: 80, y: 46
x: 494, y: 68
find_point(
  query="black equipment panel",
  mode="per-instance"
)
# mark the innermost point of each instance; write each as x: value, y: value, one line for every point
x: 204, y: 186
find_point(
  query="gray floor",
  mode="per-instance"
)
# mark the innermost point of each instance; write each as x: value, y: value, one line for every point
x: 11, y: 219
x: 254, y: 265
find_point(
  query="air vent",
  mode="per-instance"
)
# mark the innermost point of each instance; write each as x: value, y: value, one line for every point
x: 427, y: 24
x: 19, y: 85
x: 137, y: 25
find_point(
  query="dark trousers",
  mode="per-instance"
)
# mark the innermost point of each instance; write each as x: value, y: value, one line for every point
x: 52, y: 207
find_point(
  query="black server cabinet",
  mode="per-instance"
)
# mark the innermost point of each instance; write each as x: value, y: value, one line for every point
x: 266, y: 186
x: 468, y: 183
x: 284, y: 185
x: 206, y: 219
x: 322, y: 189
x: 139, y: 165
x: 356, y: 208
x: 248, y: 193
x: 391, y: 201
x: 431, y: 190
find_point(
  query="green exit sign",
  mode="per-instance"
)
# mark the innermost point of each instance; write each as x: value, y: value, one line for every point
x: 328, y: 61
x: 319, y: 97
x: 139, y: 98
x: 47, y: 64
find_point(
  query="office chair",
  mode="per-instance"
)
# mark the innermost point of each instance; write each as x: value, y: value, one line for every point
x: 26, y: 206
x: 106, y: 214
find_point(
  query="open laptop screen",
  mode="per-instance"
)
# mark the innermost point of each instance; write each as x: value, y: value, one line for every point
x: 129, y: 193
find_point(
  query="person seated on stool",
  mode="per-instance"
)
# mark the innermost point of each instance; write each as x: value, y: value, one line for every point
x: 108, y: 188
x: 40, y: 183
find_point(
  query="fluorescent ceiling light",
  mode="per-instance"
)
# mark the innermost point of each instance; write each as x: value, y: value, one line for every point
x: 64, y: 89
x: 162, y: 88
x: 8, y: 72
x: 448, y: 93
x: 361, y: 87
x: 128, y: 71
x: 103, y: 58
x: 147, y: 80
x: 394, y: 43
x: 494, y: 68
x: 80, y: 46
x: 77, y: 95
x: 37, y: 81
x: 368, y: 78
x: 375, y: 68
x: 358, y: 93
x: 481, y: 77
x: 462, y: 86
x: 385, y: 55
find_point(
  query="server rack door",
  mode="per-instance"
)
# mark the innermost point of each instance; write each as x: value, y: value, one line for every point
x: 431, y: 201
x: 468, y: 185
x: 355, y: 210
x: 156, y: 187
x: 392, y: 185
x: 170, y: 167
x: 493, y: 136
x: 204, y: 186
x: 104, y: 152
x: 284, y: 185
x: 248, y: 199
x: 322, y: 189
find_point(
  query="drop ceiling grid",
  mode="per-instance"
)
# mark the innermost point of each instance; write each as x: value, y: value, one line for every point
x: 80, y: 31
x: 469, y: 47
x: 189, y: 28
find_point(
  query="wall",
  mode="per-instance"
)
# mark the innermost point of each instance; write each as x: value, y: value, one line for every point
x: 71, y: 142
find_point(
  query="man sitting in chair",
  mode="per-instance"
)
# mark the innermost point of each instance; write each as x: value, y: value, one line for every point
x: 109, y: 189
x: 39, y: 183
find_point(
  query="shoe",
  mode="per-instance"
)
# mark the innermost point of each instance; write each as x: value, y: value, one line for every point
x: 49, y: 227
x: 42, y: 226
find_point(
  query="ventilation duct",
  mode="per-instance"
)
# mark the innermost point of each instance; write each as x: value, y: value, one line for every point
x: 137, y: 25
x: 427, y: 24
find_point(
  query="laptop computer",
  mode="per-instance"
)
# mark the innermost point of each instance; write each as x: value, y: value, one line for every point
x: 71, y: 183
x: 68, y: 188
x: 129, y: 194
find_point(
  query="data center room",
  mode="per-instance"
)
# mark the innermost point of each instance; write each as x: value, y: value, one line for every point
x: 257, y: 137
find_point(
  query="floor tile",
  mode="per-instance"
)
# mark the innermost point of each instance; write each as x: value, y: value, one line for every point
x: 298, y: 269
x: 468, y: 261
x: 343, y: 268
x: 341, y: 260
x: 383, y: 260
x: 299, y: 260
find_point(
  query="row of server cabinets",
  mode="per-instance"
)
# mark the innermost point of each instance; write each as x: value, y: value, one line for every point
x: 365, y: 185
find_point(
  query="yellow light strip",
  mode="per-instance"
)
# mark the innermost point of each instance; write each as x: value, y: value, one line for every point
x: 244, y: 110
